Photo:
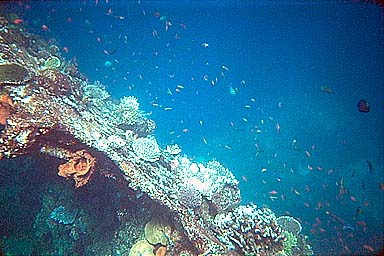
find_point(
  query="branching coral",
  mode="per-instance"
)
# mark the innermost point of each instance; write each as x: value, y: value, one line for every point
x: 80, y: 167
x: 127, y: 112
x: 146, y: 149
x: 189, y: 196
x: 250, y: 230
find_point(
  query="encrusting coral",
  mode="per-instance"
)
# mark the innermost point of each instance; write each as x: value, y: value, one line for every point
x: 5, y: 107
x: 289, y: 224
x: 142, y: 248
x: 80, y: 167
x: 157, y: 231
x: 13, y: 73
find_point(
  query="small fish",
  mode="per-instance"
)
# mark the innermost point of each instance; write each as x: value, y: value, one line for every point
x: 264, y: 170
x: 44, y: 27
x: 370, y: 166
x: 369, y: 248
x: 278, y: 127
x: 186, y: 130
x: 108, y: 64
x: 358, y: 212
x: 205, y: 45
x: 326, y: 89
x: 17, y: 21
x: 273, y: 192
x: 233, y: 90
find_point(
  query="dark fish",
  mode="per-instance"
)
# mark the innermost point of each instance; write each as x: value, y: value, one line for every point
x: 362, y: 185
x: 370, y: 166
x: 358, y: 212
x: 363, y: 106
x: 353, y: 173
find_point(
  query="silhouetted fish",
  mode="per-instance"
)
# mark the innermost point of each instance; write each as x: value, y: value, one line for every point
x: 370, y: 166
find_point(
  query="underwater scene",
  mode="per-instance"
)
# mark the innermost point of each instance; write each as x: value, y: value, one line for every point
x: 194, y: 127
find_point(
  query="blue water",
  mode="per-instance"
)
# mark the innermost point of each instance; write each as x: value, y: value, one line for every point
x: 180, y: 60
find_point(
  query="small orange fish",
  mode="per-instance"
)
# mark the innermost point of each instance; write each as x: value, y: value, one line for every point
x: 44, y: 27
x: 17, y: 21
x: 369, y: 248
x: 273, y: 192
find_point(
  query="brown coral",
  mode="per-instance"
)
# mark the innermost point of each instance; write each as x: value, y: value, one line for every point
x: 5, y: 108
x: 13, y: 74
x: 80, y: 167
x: 55, y: 82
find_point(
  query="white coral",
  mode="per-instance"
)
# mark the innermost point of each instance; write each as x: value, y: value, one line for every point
x: 146, y: 149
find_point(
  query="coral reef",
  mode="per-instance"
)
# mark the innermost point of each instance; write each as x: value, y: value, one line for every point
x: 55, y: 111
x: 250, y: 230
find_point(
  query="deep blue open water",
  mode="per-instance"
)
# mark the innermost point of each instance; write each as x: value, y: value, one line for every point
x: 268, y: 88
